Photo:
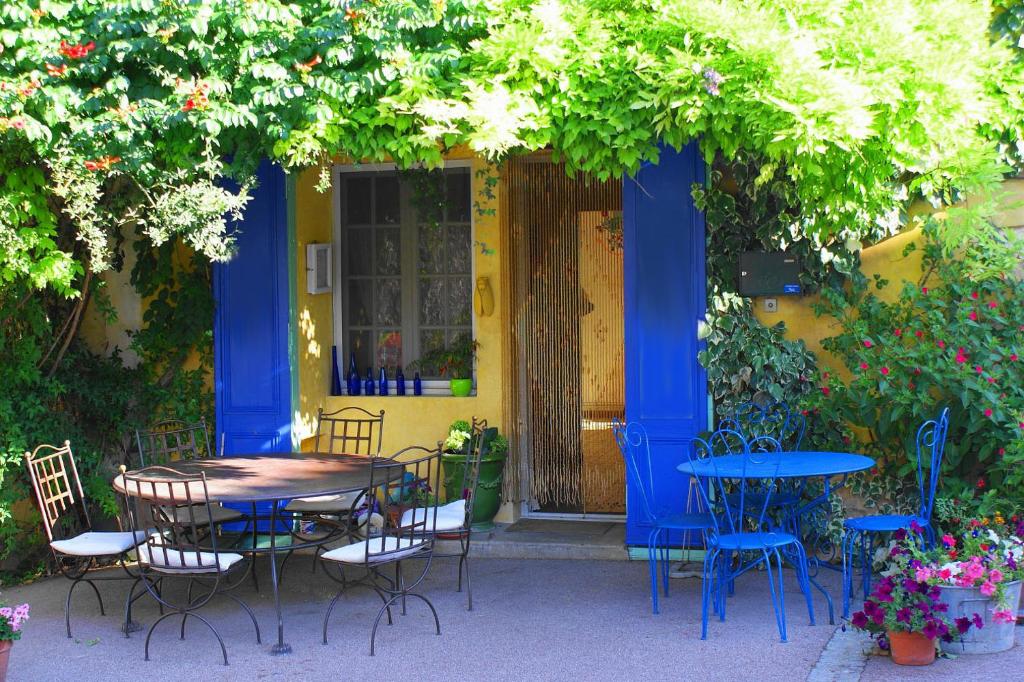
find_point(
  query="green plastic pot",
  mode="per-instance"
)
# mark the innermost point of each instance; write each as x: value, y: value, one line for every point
x: 461, y: 387
x: 488, y: 488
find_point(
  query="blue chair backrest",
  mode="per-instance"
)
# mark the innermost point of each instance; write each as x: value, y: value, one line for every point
x: 636, y: 454
x: 773, y: 419
x: 931, y: 444
x: 752, y: 497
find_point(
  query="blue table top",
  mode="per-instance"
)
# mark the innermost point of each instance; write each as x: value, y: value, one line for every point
x: 794, y: 464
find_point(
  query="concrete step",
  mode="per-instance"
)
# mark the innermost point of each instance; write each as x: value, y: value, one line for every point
x: 549, y: 539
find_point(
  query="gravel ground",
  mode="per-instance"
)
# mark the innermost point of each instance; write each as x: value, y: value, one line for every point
x: 537, y: 620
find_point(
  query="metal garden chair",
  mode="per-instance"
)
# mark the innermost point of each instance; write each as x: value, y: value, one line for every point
x: 636, y: 453
x: 743, y: 529
x: 76, y: 547
x: 174, y: 440
x: 350, y: 431
x: 407, y: 482
x: 173, y: 503
x: 455, y: 518
x: 930, y: 444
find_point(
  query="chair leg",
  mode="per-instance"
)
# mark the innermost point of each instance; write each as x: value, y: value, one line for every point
x: 469, y: 584
x: 804, y: 578
x: 865, y: 563
x: 707, y: 580
x: 778, y: 598
x: 849, y: 537
x: 652, y: 565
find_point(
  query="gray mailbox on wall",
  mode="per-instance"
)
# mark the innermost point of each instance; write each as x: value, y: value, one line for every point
x: 768, y: 274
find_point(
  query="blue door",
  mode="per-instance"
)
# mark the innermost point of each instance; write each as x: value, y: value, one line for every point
x: 665, y: 296
x: 252, y: 373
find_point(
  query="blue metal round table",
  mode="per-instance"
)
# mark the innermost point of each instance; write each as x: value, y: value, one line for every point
x: 794, y: 464
x: 812, y: 516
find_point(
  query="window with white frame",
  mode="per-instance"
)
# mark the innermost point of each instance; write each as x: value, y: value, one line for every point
x: 404, y: 265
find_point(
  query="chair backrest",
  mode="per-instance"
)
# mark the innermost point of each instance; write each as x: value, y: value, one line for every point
x: 58, y: 491
x: 741, y: 503
x: 772, y: 418
x: 349, y: 431
x: 476, y: 448
x: 931, y: 445
x: 410, y: 480
x: 173, y: 440
x: 171, y: 508
x: 636, y: 455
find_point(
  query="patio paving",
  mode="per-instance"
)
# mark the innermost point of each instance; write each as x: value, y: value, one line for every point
x: 532, y: 619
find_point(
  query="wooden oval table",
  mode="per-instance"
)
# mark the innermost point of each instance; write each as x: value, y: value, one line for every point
x: 274, y: 478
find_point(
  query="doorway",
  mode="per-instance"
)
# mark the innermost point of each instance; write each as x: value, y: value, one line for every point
x: 567, y: 338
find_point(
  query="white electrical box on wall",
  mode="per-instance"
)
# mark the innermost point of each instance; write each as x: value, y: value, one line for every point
x: 318, y: 268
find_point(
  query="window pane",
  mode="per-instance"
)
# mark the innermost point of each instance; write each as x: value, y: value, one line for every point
x: 388, y: 302
x: 357, y: 200
x: 428, y: 195
x: 431, y: 250
x: 389, y: 251
x: 360, y: 302
x: 458, y: 250
x: 387, y: 200
x: 432, y: 301
x: 359, y: 343
x: 359, y: 251
x: 430, y: 339
x: 458, y: 307
x: 458, y: 196
x: 389, y: 351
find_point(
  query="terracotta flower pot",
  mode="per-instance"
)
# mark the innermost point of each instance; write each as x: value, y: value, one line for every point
x: 911, y: 648
x: 5, y: 655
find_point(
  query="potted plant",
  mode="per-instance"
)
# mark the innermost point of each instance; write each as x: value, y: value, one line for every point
x: 982, y: 564
x: 454, y: 361
x: 905, y: 613
x: 487, y: 497
x: 11, y: 620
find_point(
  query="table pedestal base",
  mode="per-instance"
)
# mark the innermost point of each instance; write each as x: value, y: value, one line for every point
x: 279, y: 649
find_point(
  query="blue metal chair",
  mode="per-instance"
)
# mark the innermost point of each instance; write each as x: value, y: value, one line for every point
x: 772, y: 419
x: 931, y: 439
x: 636, y: 452
x: 743, y: 529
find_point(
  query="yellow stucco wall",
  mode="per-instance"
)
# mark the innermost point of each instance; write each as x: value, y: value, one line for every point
x: 885, y: 259
x: 409, y: 420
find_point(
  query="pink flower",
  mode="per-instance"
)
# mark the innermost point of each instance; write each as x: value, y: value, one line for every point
x: 973, y: 315
x: 988, y: 411
x: 991, y: 380
x: 995, y: 575
x: 977, y: 368
x: 975, y: 295
x: 897, y: 331
x: 1013, y: 357
x: 825, y: 391
x: 987, y: 589
x: 867, y: 344
x: 948, y: 540
x: 942, y: 344
x: 919, y: 333
x: 863, y: 365
x: 884, y: 371
x: 992, y: 304
x: 961, y: 357
x: 922, y: 574
x: 1004, y: 616
x: 924, y: 290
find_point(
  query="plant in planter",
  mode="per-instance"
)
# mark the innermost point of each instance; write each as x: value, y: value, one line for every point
x: 454, y: 361
x: 493, y: 452
x: 11, y: 620
x: 905, y: 613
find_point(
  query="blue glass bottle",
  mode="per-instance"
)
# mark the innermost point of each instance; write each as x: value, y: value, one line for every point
x: 368, y: 386
x: 417, y: 385
x: 382, y: 383
x: 399, y: 381
x: 354, y: 382
x: 335, y: 374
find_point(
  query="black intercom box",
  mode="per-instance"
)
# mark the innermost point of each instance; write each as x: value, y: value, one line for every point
x: 768, y: 273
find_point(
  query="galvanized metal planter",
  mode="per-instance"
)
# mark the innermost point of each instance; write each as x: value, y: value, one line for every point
x: 993, y: 636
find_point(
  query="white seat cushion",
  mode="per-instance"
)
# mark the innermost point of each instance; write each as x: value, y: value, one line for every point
x: 447, y: 519
x: 99, y: 543
x: 187, y: 561
x: 218, y: 513
x: 457, y: 507
x: 323, y: 503
x: 356, y: 552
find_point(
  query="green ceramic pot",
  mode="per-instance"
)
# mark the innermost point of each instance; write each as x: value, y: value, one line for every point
x: 461, y: 387
x: 488, y: 488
